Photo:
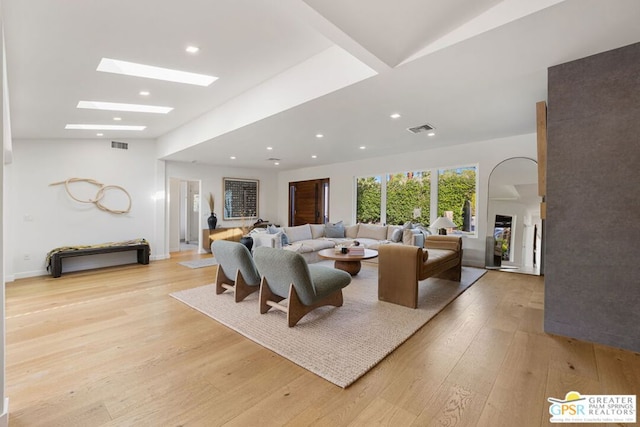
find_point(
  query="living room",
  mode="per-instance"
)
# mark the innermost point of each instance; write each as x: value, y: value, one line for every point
x: 39, y: 217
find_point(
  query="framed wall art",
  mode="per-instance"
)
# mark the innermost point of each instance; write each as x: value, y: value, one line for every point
x: 240, y: 198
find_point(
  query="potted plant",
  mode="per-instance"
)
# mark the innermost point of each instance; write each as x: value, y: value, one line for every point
x: 212, y: 221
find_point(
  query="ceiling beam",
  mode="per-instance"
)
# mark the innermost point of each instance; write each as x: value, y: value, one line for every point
x: 305, y: 13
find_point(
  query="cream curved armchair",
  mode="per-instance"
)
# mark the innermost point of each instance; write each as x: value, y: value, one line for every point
x: 235, y: 261
x: 286, y: 275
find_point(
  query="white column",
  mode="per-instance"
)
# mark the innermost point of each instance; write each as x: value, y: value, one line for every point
x: 5, y: 135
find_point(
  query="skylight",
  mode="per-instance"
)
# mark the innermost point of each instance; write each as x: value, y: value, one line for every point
x: 148, y: 71
x: 104, y: 127
x: 116, y: 106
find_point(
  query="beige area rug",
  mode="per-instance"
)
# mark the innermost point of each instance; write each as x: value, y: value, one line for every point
x: 338, y: 344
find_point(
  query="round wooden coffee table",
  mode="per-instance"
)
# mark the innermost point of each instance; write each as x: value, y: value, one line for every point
x: 347, y: 262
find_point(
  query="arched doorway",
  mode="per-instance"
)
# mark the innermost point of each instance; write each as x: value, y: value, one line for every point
x: 514, y: 229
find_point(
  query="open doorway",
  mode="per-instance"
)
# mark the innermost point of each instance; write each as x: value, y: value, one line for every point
x: 309, y: 202
x: 184, y: 215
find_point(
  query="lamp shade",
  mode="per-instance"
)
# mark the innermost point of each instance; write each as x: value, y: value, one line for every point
x: 443, y: 223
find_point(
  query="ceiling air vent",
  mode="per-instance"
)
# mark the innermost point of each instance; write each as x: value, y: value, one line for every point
x: 423, y: 128
x: 120, y: 145
x: 273, y: 159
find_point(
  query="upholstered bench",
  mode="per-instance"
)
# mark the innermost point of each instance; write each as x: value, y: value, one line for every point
x: 55, y: 256
x: 401, y: 267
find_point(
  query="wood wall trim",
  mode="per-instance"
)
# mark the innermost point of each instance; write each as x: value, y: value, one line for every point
x: 541, y: 130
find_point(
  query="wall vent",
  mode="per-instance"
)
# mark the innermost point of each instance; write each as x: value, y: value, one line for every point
x: 420, y: 129
x: 120, y: 145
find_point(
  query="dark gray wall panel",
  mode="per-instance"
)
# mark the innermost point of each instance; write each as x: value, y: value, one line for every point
x: 592, y: 272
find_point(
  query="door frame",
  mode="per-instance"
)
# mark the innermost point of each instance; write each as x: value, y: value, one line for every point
x: 321, y: 200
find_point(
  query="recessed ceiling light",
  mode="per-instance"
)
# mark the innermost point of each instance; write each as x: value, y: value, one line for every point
x: 232, y: 157
x: 104, y: 127
x: 362, y: 147
x: 144, y: 93
x: 276, y: 163
x: 314, y: 157
x: 192, y: 49
x: 269, y: 148
x: 115, y: 106
x: 431, y: 134
x: 319, y: 135
x: 99, y: 134
x: 395, y: 116
x: 150, y: 72
x: 117, y: 119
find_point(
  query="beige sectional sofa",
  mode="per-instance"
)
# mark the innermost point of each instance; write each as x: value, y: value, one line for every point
x: 309, y: 239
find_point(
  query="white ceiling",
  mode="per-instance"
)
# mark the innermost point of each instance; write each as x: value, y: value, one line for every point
x: 474, y: 69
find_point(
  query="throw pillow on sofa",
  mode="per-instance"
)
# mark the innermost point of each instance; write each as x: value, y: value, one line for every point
x: 413, y: 236
x: 283, y: 239
x: 396, y: 234
x: 335, y: 230
x: 298, y: 232
x: 317, y: 231
x: 372, y: 231
x: 424, y: 230
x: 272, y: 229
x: 351, y: 231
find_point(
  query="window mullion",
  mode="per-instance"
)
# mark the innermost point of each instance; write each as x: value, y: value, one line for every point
x: 383, y: 198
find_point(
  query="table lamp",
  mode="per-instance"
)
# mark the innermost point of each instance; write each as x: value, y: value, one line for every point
x: 442, y: 223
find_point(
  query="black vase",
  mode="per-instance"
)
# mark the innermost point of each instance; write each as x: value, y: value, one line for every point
x: 212, y: 221
x: 247, y: 241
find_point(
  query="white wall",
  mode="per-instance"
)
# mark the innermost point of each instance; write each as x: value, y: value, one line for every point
x: 210, y: 178
x: 43, y: 217
x: 486, y: 155
x: 175, y: 211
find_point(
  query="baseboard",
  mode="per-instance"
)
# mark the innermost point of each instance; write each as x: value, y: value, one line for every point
x: 4, y: 417
x: 33, y: 273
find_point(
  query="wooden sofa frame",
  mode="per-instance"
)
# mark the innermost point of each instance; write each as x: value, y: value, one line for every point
x: 401, y: 267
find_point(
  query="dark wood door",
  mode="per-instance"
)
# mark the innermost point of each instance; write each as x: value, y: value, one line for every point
x: 308, y: 202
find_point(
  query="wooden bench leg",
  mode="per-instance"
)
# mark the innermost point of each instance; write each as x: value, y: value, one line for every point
x: 56, y: 266
x: 143, y: 256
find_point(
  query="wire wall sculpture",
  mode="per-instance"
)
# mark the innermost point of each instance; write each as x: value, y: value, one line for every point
x: 102, y: 188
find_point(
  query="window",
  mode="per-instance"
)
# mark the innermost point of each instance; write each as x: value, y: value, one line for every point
x: 368, y: 199
x: 196, y: 202
x: 407, y: 196
x: 457, y: 196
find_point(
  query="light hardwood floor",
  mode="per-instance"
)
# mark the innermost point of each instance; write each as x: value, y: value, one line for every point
x: 110, y: 348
